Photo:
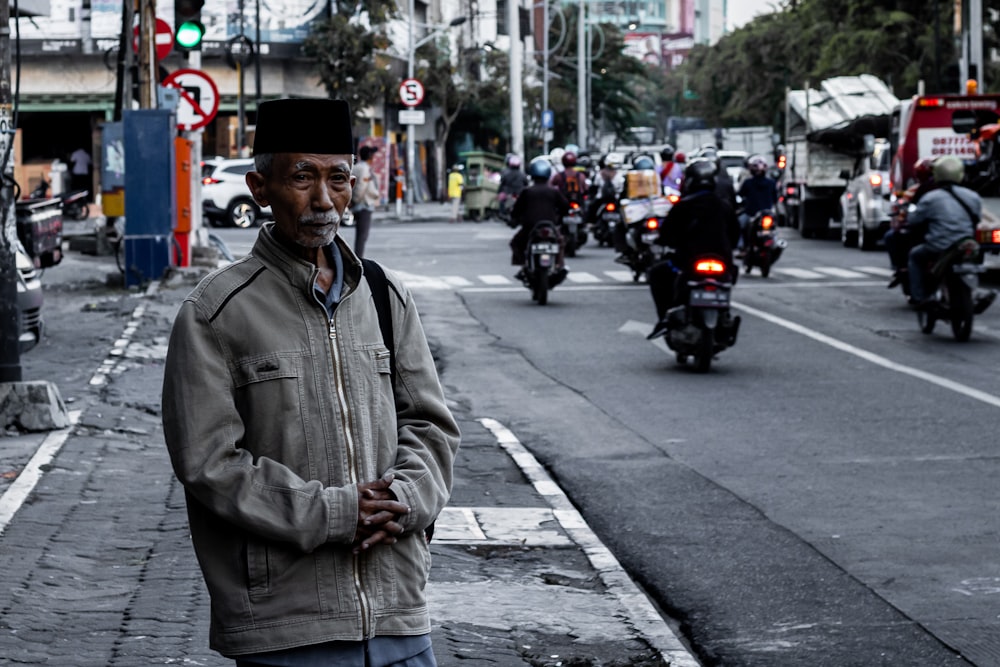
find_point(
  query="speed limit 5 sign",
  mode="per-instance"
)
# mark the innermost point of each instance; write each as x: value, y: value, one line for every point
x: 411, y: 92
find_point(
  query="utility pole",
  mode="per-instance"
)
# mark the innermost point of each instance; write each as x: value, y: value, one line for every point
x: 581, y: 77
x: 148, y: 69
x: 10, y: 329
x: 516, y: 77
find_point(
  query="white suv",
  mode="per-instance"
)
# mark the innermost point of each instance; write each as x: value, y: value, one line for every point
x: 865, y: 204
x: 225, y: 197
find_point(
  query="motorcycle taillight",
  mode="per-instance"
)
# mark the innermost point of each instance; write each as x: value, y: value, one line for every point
x: 709, y: 266
x: 574, y: 206
x: 767, y: 222
x: 611, y: 207
x: 544, y: 232
x: 653, y: 224
x: 673, y: 199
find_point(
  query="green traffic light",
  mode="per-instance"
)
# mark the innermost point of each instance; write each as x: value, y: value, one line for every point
x: 189, y: 34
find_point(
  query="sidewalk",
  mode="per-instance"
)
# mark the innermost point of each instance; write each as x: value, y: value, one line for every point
x: 95, y: 551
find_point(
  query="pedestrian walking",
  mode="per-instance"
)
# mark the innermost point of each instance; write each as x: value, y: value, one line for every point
x: 80, y: 166
x: 456, y: 184
x: 304, y: 416
x: 365, y: 198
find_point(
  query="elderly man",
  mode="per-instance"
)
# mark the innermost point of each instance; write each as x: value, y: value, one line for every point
x: 314, y: 450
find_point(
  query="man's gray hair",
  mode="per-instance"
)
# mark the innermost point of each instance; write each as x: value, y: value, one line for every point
x: 263, y: 163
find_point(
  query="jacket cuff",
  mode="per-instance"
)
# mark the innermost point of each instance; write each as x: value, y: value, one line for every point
x: 342, y: 509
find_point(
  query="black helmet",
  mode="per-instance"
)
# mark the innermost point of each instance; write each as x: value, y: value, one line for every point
x: 540, y: 169
x: 700, y: 175
x: 667, y: 153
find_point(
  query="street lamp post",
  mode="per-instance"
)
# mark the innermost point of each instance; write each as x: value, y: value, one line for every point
x: 411, y: 51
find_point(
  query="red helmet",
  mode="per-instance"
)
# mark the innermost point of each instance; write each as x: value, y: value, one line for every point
x: 569, y: 159
x: 923, y: 169
x: 680, y: 157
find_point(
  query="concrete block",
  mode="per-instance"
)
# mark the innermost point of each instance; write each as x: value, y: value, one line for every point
x: 32, y: 406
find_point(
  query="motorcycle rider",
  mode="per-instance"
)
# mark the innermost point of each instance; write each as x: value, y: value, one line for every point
x: 538, y: 202
x: 701, y: 223
x: 570, y: 182
x: 512, y: 182
x: 758, y: 193
x: 671, y: 171
x: 605, y: 188
x: 641, y: 182
x: 948, y: 213
x: 899, y: 240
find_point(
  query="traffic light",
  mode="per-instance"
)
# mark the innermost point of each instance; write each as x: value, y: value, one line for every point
x: 188, y: 28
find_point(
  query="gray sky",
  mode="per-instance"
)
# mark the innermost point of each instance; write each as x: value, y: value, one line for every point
x: 741, y: 11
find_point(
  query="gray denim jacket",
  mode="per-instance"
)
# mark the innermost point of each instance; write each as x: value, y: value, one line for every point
x: 272, y: 413
x: 947, y: 222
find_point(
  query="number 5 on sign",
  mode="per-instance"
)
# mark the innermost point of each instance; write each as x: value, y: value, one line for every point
x: 411, y: 92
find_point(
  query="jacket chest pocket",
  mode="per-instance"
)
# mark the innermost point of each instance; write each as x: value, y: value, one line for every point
x: 272, y: 400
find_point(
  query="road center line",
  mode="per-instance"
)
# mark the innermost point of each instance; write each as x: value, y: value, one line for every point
x: 873, y: 358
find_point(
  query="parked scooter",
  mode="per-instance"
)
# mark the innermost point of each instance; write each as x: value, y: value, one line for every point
x: 573, y: 229
x: 956, y: 296
x: 74, y: 204
x: 702, y: 326
x: 540, y: 273
x: 763, y: 245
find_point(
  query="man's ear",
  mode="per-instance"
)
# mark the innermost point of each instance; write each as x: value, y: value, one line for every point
x: 257, y: 184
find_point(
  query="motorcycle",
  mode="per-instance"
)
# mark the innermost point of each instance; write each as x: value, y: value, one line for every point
x: 956, y: 297
x: 573, y: 228
x: 74, y: 204
x: 642, y: 252
x: 763, y: 246
x: 505, y: 203
x: 702, y: 325
x: 609, y: 216
x: 540, y: 273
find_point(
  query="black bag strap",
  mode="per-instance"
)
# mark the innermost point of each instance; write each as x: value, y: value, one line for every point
x: 380, y: 295
x: 972, y: 216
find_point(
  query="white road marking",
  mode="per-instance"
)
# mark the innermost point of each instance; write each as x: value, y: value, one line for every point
x: 457, y: 281
x: 620, y: 276
x: 873, y: 358
x: 496, y: 279
x: 643, y: 329
x: 647, y: 621
x: 582, y: 277
x: 876, y: 270
x: 796, y: 273
x: 24, y: 484
x: 838, y: 272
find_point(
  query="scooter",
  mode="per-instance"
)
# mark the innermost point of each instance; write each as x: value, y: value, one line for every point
x: 540, y: 273
x: 609, y: 216
x: 573, y: 228
x: 956, y: 296
x: 702, y: 326
x: 763, y: 245
x: 641, y: 237
x: 74, y: 204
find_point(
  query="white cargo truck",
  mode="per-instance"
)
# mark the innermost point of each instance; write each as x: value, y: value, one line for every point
x: 825, y: 133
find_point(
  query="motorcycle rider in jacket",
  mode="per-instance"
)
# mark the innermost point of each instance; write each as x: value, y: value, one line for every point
x: 950, y: 213
x: 512, y: 181
x: 900, y: 239
x: 538, y: 202
x: 701, y: 223
x: 606, y: 187
x: 757, y: 193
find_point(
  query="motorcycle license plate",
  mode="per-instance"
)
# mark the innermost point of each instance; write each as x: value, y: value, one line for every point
x: 543, y: 248
x: 650, y: 238
x: 611, y: 217
x: 701, y: 298
x: 572, y: 219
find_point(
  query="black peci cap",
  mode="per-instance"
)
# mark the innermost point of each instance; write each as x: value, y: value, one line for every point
x: 304, y: 126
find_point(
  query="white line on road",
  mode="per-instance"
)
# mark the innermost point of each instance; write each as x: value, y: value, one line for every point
x: 495, y: 279
x: 647, y: 621
x: 796, y: 273
x: 20, y: 488
x: 838, y: 272
x: 582, y: 277
x: 876, y: 270
x: 873, y: 358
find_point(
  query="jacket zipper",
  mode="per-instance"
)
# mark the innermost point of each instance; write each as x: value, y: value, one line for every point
x: 352, y: 460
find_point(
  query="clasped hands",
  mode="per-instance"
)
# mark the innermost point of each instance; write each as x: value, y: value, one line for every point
x: 379, y: 514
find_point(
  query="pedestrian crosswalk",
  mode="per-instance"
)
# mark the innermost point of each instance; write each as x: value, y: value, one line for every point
x: 779, y: 275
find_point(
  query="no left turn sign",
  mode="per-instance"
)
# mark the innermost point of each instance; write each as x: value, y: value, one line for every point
x: 411, y: 92
x: 199, y: 98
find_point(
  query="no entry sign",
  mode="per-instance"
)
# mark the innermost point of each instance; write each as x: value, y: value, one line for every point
x: 199, y: 98
x: 164, y: 37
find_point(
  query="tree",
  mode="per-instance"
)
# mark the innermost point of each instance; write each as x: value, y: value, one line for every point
x: 349, y: 52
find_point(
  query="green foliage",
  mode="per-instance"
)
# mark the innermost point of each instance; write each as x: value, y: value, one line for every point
x: 346, y: 53
x: 741, y: 80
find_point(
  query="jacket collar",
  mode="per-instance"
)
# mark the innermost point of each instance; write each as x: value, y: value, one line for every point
x: 298, y: 271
